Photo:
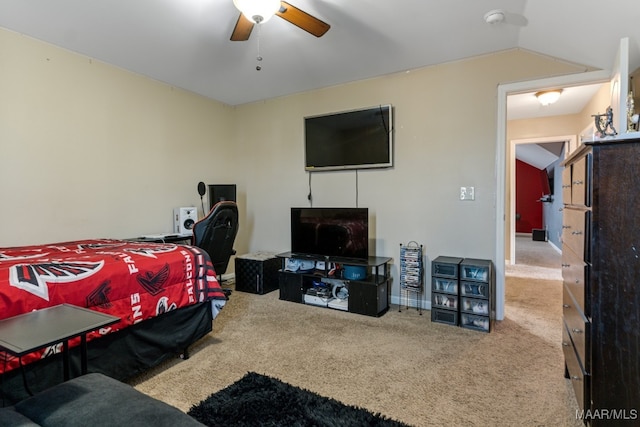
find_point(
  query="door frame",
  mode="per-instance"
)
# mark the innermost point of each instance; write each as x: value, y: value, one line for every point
x: 504, y: 90
x: 571, y: 143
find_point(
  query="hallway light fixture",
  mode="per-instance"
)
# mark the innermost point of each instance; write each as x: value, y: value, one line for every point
x: 257, y: 11
x: 548, y: 97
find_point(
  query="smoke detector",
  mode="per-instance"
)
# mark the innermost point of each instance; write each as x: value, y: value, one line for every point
x: 494, y: 16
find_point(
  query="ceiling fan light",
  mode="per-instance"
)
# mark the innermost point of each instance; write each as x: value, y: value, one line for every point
x: 548, y: 97
x: 257, y: 11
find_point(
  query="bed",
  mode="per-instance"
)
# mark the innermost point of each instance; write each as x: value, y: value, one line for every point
x: 166, y: 296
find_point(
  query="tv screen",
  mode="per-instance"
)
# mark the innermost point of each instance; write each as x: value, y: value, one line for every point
x: 334, y: 232
x: 349, y: 140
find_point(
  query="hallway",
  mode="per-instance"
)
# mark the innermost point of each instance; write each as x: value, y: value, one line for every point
x: 535, y: 259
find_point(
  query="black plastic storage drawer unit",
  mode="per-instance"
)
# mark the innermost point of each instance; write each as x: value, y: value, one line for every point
x: 445, y: 287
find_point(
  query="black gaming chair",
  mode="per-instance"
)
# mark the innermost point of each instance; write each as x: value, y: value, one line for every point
x: 215, y: 234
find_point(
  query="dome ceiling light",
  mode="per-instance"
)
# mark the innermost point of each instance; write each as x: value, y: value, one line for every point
x: 548, y: 97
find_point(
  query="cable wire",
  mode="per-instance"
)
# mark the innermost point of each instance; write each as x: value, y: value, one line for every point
x: 356, y: 188
x: 309, y: 196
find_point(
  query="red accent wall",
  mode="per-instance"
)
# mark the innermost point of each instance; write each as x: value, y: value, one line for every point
x: 531, y: 184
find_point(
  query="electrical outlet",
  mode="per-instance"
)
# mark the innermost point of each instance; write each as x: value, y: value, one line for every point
x: 467, y: 193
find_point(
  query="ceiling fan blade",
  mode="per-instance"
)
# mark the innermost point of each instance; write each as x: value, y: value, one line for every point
x: 242, y: 30
x: 302, y: 19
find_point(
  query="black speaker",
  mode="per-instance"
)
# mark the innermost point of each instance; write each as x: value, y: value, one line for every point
x: 221, y: 192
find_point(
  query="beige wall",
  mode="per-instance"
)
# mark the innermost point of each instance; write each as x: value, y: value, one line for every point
x: 445, y: 137
x: 92, y: 150
x: 89, y: 150
x: 598, y: 105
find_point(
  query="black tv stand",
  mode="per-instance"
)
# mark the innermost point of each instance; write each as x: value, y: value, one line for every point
x: 369, y: 296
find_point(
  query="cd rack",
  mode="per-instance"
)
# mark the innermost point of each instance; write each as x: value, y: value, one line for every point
x: 411, y: 274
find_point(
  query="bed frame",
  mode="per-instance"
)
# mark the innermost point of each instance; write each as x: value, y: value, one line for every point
x: 121, y: 355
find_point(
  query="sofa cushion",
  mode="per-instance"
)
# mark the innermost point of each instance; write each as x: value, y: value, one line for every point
x: 10, y: 417
x: 97, y: 400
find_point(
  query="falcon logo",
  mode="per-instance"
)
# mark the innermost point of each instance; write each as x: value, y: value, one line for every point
x: 96, y: 246
x: 163, y: 306
x: 150, y: 252
x: 100, y: 296
x: 152, y: 282
x: 5, y: 257
x: 33, y: 278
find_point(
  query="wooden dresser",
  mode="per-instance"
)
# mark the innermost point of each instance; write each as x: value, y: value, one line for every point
x: 601, y: 274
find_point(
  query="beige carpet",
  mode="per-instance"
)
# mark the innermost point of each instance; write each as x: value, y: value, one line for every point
x: 401, y: 364
x: 535, y: 259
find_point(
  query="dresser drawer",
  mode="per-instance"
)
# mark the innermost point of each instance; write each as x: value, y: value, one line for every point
x: 577, y: 325
x: 566, y: 185
x: 577, y: 375
x: 575, y: 275
x: 580, y: 182
x: 575, y: 230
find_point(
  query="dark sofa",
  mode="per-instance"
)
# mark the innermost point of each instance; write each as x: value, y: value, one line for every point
x: 93, y: 400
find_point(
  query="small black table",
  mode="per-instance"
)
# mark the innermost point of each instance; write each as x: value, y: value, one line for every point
x: 28, y: 332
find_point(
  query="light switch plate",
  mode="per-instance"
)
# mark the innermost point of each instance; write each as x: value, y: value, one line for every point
x: 467, y: 193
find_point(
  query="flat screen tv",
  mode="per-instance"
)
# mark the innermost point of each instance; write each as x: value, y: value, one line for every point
x: 333, y: 232
x: 353, y: 139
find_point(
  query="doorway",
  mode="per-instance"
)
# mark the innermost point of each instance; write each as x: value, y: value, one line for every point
x: 542, y: 153
x: 501, y: 163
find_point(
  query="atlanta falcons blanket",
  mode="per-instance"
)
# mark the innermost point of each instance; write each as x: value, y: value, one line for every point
x: 132, y: 280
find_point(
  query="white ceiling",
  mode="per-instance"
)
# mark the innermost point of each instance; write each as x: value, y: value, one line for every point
x: 540, y: 156
x: 572, y: 101
x: 186, y: 42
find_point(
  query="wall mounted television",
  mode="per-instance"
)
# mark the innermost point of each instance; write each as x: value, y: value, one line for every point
x: 333, y: 232
x: 354, y: 139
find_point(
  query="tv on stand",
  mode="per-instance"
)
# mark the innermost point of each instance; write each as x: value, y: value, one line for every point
x: 338, y: 233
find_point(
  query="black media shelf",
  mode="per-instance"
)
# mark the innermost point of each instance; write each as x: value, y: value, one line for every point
x: 325, y: 285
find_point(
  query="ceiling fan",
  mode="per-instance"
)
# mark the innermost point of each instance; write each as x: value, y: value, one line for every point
x: 249, y: 17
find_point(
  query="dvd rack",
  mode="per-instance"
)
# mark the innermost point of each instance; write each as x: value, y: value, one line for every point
x: 411, y: 274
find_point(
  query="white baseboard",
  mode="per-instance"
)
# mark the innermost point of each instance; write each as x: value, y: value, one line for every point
x: 410, y: 302
x: 555, y: 247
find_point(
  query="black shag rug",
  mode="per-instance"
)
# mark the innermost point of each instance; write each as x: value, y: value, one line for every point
x: 258, y: 400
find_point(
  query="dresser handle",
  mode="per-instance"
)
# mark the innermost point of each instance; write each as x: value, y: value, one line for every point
x: 576, y: 232
x: 566, y: 305
x: 566, y: 226
x: 564, y: 343
x: 566, y: 265
x: 577, y: 281
x: 579, y: 182
x: 576, y: 378
x: 576, y: 330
